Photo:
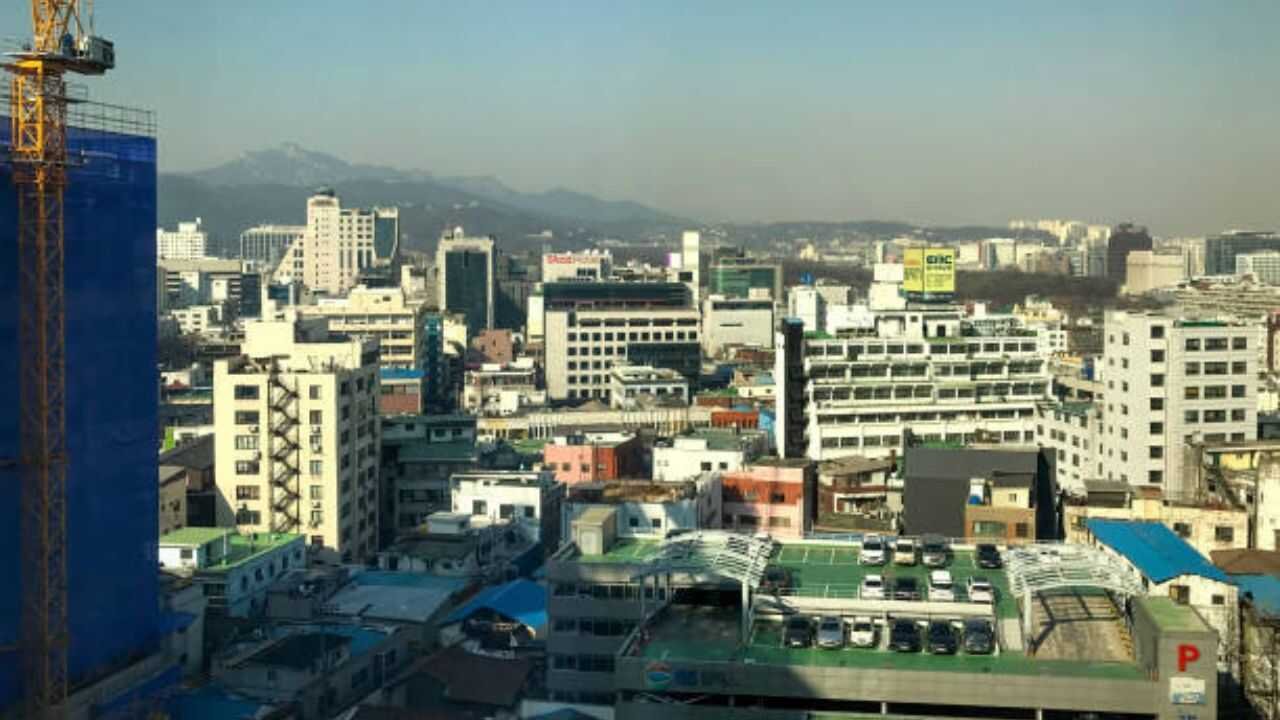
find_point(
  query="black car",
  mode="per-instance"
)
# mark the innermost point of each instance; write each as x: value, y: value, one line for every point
x: 979, y: 639
x: 904, y: 588
x: 904, y: 636
x: 988, y: 557
x: 942, y: 638
x: 776, y: 579
x: 798, y: 632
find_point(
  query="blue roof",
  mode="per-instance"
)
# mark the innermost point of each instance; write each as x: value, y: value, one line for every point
x: 211, y: 703
x: 400, y: 374
x: 1154, y: 549
x: 524, y: 601
x: 1265, y: 590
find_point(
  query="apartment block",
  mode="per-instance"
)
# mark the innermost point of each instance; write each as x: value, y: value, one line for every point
x: 1171, y: 382
x: 264, y: 245
x: 743, y: 322
x: 529, y: 499
x: 777, y: 496
x: 705, y: 450
x: 594, y: 457
x: 297, y: 436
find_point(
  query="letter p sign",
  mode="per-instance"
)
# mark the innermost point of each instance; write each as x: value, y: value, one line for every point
x: 1187, y: 654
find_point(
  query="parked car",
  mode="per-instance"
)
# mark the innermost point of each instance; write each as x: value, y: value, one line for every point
x: 904, y: 551
x: 941, y: 586
x: 988, y: 557
x: 798, y: 632
x: 942, y: 638
x: 934, y: 552
x: 872, y: 588
x: 863, y: 633
x: 776, y: 579
x: 872, y: 552
x: 979, y: 636
x: 830, y: 632
x: 981, y: 590
x: 905, y: 588
x: 904, y: 636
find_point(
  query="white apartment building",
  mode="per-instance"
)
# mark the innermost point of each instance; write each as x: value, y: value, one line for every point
x: 735, y: 322
x: 583, y: 345
x: 297, y: 436
x: 925, y: 369
x: 386, y: 314
x: 497, y: 390
x: 629, y: 383
x: 1146, y: 270
x: 706, y: 450
x: 264, y: 245
x: 205, y: 281
x: 188, y: 242
x: 338, y: 243
x: 530, y: 499
x: 1263, y: 266
x: 1170, y: 382
x: 589, y: 265
x: 1073, y: 431
x: 197, y: 319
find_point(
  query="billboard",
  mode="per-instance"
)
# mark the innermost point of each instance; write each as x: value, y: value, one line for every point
x: 929, y: 274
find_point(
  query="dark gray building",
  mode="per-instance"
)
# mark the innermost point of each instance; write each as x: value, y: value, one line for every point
x: 1220, y: 251
x: 1125, y: 238
x: 994, y: 495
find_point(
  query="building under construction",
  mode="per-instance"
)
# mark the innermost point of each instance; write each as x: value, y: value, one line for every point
x: 111, y: 396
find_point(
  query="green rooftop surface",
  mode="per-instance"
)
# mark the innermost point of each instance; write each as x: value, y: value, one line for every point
x: 1170, y: 616
x: 723, y: 438
x: 1075, y: 408
x: 424, y: 451
x: 240, y: 548
x: 625, y: 550
x: 831, y: 570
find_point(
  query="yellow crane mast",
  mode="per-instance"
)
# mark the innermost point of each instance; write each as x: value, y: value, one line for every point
x: 62, y: 42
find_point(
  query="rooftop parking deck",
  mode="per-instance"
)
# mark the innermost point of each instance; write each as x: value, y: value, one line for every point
x: 710, y: 634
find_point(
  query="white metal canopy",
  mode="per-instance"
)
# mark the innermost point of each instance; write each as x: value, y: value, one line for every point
x: 1036, y: 569
x: 714, y: 552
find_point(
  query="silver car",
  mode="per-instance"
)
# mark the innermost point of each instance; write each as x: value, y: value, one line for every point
x: 830, y: 632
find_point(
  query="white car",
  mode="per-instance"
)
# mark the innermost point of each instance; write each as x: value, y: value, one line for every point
x: 862, y: 633
x: 872, y: 550
x: 981, y: 590
x: 941, y: 586
x: 904, y: 551
x: 872, y: 588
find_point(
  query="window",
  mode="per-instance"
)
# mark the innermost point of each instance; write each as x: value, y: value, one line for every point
x: 1192, y: 368
x: 1157, y: 356
x: 1239, y: 367
x: 1157, y: 403
x: 313, y: 392
x: 1215, y: 344
x: 1215, y: 392
x: 317, y: 492
x: 316, y: 417
x: 1215, y: 368
x: 1224, y: 533
x: 1157, y: 380
x: 246, y: 467
x: 186, y: 553
x: 1181, y: 594
x: 1191, y: 416
x: 246, y: 417
x: 656, y: 523
x: 706, y: 467
x: 247, y: 492
x: 1156, y: 428
x: 1191, y: 393
x: 1021, y: 529
x: 317, y: 467
x: 479, y: 507
x: 1155, y: 452
x: 1182, y: 530
x: 1157, y: 332
x: 1237, y: 415
x: 1239, y: 343
x: 1193, y: 344
x: 1237, y: 391
x: 246, y: 442
x: 246, y: 392
x: 1155, y: 476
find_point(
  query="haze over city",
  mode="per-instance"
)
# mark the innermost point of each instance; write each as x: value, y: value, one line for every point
x: 939, y: 113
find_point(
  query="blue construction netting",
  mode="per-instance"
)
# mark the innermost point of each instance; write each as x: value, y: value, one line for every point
x: 112, y: 404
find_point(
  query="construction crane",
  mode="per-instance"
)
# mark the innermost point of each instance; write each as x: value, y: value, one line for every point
x: 62, y: 42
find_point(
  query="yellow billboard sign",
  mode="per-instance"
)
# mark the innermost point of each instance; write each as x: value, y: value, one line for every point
x: 929, y: 273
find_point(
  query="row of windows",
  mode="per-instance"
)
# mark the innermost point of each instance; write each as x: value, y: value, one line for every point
x: 907, y: 417
x: 583, y: 663
x: 634, y: 322
x: 869, y: 441
x: 903, y: 392
x: 607, y: 591
x: 853, y: 351
x: 634, y: 336
x: 1213, y: 392
x: 598, y: 627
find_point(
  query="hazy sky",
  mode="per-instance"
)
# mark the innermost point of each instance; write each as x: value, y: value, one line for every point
x: 949, y: 112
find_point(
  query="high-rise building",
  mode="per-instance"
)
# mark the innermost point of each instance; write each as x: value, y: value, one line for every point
x: 1171, y: 382
x: 1263, y: 266
x: 789, y: 376
x: 264, y: 245
x: 1125, y: 238
x: 465, y: 268
x: 737, y: 277
x: 1220, y: 251
x: 591, y: 327
x: 511, y: 292
x: 338, y: 244
x: 188, y: 242
x: 112, y: 494
x: 296, y: 422
x: 589, y: 266
x: 690, y: 270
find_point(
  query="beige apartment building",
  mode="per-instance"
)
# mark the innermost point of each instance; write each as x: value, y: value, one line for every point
x: 385, y: 314
x: 338, y: 243
x: 297, y: 435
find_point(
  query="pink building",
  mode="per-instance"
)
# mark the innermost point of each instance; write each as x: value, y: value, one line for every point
x: 590, y: 457
x: 777, y: 496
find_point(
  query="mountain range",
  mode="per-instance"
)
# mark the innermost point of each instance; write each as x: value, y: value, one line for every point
x: 272, y: 185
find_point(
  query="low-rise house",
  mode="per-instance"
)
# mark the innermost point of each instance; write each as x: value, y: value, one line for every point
x: 594, y: 456
x: 646, y: 509
x: 855, y: 493
x: 707, y: 450
x: 1003, y: 496
x: 1208, y: 524
x: 235, y: 570
x: 778, y: 496
x: 530, y: 499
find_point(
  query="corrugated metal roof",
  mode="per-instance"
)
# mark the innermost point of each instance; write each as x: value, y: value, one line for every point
x: 1265, y: 590
x: 1154, y: 549
x: 521, y: 600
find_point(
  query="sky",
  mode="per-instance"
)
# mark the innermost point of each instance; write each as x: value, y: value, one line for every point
x: 1164, y: 113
